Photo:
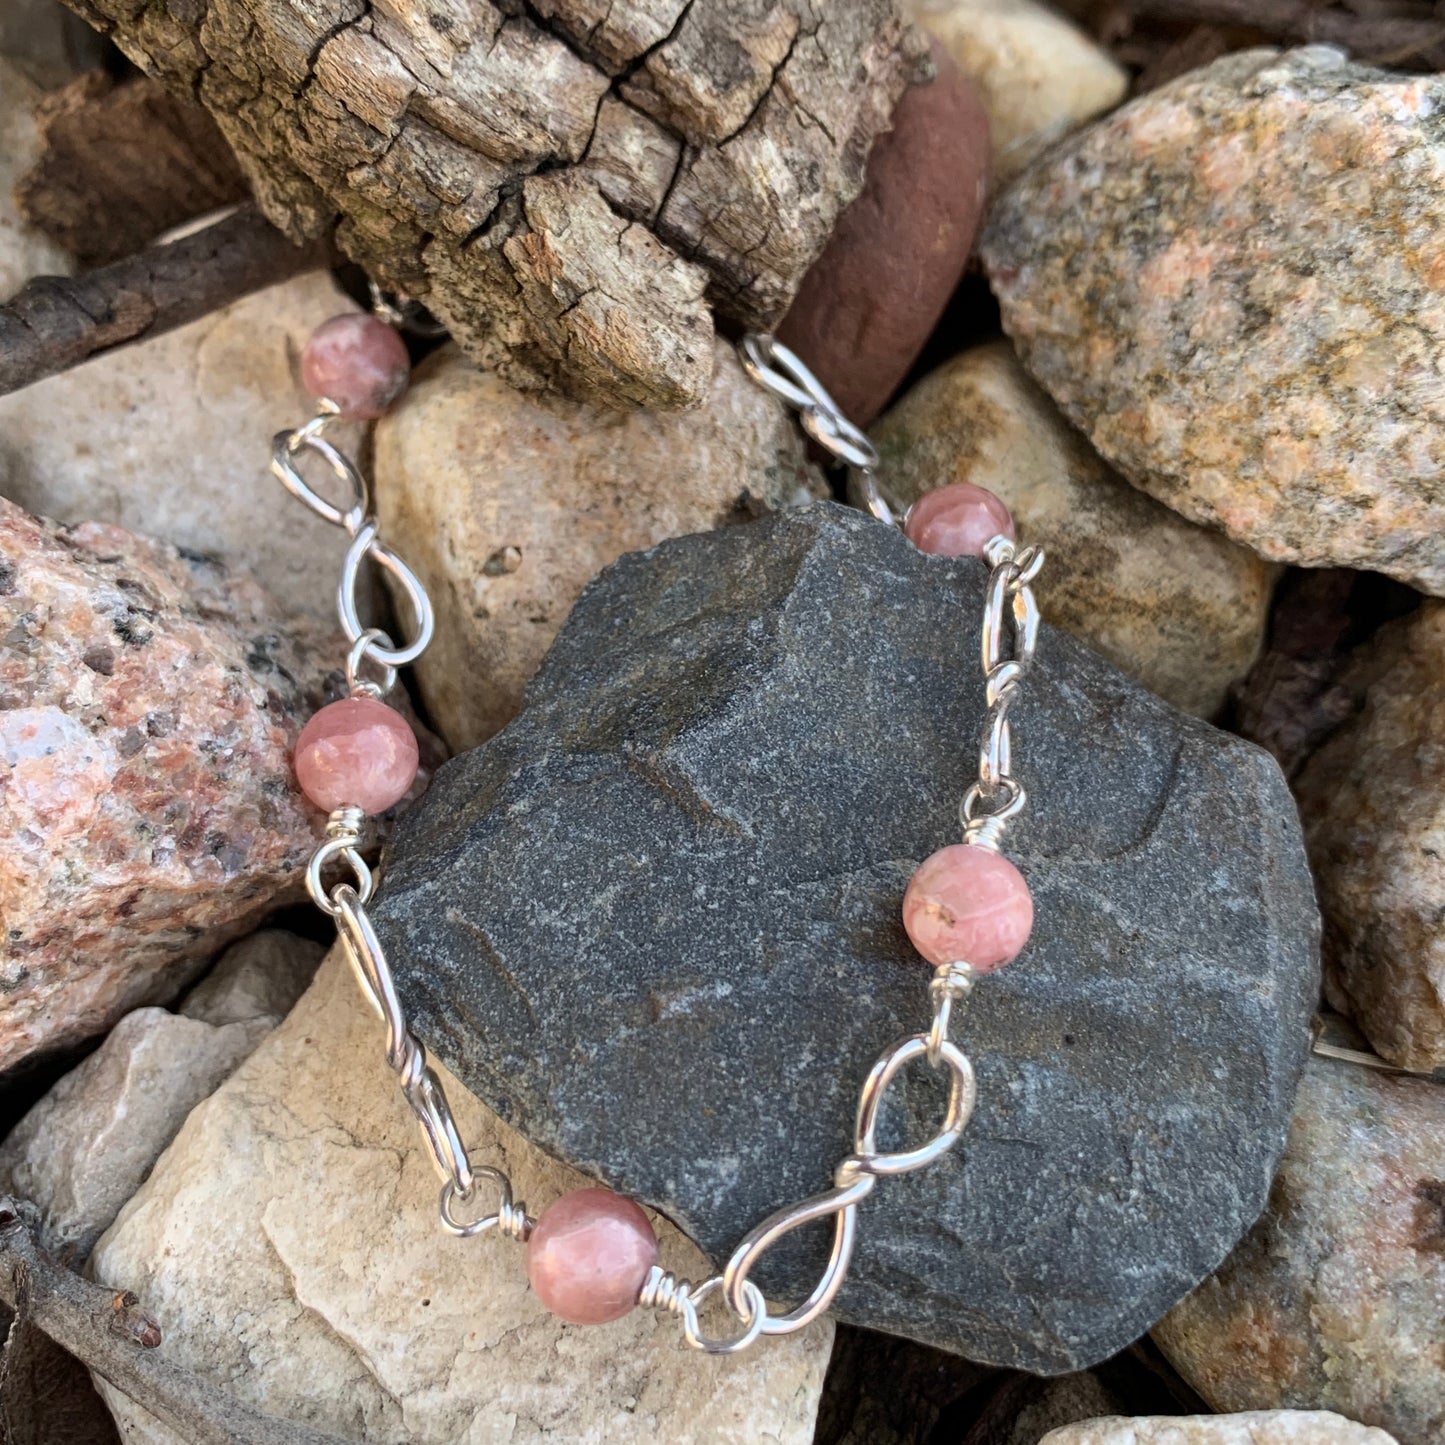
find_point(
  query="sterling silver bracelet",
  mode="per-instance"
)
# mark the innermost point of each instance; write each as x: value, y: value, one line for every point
x: 967, y: 908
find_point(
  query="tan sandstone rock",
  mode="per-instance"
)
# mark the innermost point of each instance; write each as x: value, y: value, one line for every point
x: 1233, y: 285
x: 24, y: 252
x: 1373, y: 804
x: 1259, y: 1427
x: 289, y: 1240
x: 1181, y: 608
x: 148, y: 704
x: 172, y: 438
x: 507, y: 504
x: 85, y: 1148
x: 1335, y: 1300
x: 1040, y: 76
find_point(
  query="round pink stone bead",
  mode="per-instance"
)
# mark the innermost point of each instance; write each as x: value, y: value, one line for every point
x: 958, y: 520
x: 968, y: 905
x: 589, y: 1254
x: 357, y: 361
x: 356, y: 753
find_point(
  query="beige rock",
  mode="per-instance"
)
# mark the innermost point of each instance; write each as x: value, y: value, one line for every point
x: 1335, y: 1300
x: 172, y: 438
x: 1179, y: 607
x: 1373, y: 804
x: 1260, y: 1427
x: 260, y: 977
x: 507, y: 504
x: 289, y: 1240
x: 1233, y: 285
x: 85, y: 1148
x: 24, y: 252
x: 1040, y: 75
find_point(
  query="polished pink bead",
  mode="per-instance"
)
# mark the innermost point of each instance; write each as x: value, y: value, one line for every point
x: 968, y: 905
x: 958, y: 520
x: 357, y: 361
x: 356, y: 753
x: 589, y: 1254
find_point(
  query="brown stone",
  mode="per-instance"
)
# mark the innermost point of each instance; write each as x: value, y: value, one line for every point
x: 148, y: 703
x: 1336, y: 1299
x: 1373, y: 804
x: 508, y: 503
x: 871, y: 300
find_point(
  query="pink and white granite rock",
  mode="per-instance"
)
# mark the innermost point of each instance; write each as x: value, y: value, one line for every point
x: 1335, y: 1300
x: 1373, y: 804
x: 1234, y: 285
x: 148, y: 705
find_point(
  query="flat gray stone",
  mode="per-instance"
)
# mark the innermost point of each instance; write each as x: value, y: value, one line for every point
x: 655, y: 924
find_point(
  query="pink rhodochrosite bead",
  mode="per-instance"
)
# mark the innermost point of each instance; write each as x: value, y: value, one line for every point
x: 356, y: 753
x: 357, y: 361
x: 968, y: 905
x: 958, y: 520
x: 589, y: 1254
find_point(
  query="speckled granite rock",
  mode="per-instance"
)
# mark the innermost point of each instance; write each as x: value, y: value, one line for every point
x: 656, y: 923
x: 85, y: 1148
x: 1373, y: 801
x: 24, y: 252
x: 299, y: 1201
x: 1040, y: 76
x: 172, y: 438
x: 1234, y: 286
x: 1178, y: 607
x: 1336, y: 1299
x: 1261, y: 1427
x: 508, y: 503
x: 148, y: 702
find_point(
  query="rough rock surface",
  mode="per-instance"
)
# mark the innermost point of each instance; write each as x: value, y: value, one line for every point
x: 656, y: 923
x: 1180, y: 608
x: 24, y: 252
x: 507, y: 504
x: 1373, y: 801
x: 1039, y: 75
x: 86, y: 1147
x: 148, y: 702
x: 873, y: 298
x: 571, y: 185
x: 172, y: 437
x: 260, y: 977
x: 1334, y: 1300
x: 1266, y: 1427
x: 1233, y: 285
x: 298, y: 1201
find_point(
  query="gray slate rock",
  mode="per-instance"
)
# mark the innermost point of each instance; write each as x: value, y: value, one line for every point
x: 655, y: 924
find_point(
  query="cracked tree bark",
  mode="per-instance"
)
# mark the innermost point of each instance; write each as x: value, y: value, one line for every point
x: 574, y: 186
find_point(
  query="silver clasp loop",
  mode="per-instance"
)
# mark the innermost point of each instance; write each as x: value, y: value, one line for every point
x: 287, y: 446
x: 363, y: 545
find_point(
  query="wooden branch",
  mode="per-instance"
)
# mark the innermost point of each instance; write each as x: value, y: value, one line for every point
x: 1377, y: 39
x: 573, y: 186
x: 108, y: 1332
x: 122, y: 164
x: 57, y: 322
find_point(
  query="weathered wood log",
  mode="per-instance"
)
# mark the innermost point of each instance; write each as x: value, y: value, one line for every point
x: 574, y: 186
x: 55, y: 322
x: 121, y: 165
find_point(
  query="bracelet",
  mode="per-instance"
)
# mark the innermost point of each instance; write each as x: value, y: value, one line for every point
x: 592, y: 1255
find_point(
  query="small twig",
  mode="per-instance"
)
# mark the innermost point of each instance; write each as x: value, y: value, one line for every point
x: 107, y: 1331
x: 1382, y: 39
x: 56, y: 322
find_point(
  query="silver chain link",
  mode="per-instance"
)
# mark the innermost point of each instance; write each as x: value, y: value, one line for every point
x: 1010, y: 626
